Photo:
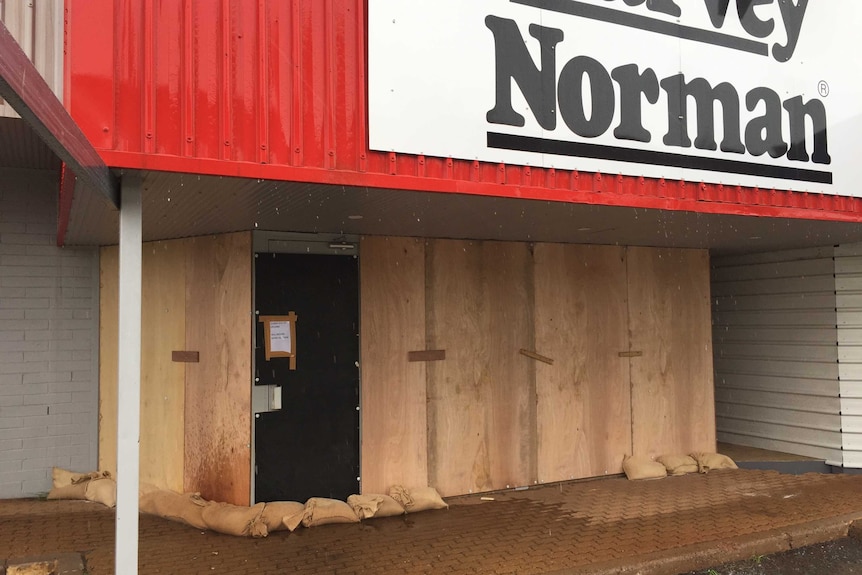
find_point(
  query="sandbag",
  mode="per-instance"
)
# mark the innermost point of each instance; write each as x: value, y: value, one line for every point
x: 417, y: 499
x: 709, y: 461
x: 402, y: 495
x: 71, y: 491
x: 389, y: 508
x: 102, y: 490
x: 365, y: 506
x: 275, y: 513
x: 182, y: 507
x: 638, y: 467
x: 63, y: 477
x: 235, y: 520
x: 82, y: 477
x: 678, y: 464
x: 146, y: 489
x: 292, y: 522
x: 425, y: 499
x: 374, y: 505
x: 323, y: 511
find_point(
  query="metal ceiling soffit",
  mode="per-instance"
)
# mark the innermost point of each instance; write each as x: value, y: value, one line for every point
x: 23, y: 87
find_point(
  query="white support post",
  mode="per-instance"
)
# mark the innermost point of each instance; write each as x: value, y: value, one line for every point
x: 129, y: 377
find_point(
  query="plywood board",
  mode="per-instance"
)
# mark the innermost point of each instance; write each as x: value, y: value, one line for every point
x: 673, y: 410
x: 481, y: 399
x: 163, y: 329
x: 584, y: 399
x: 109, y: 297
x: 509, y: 327
x: 162, y: 382
x: 393, y: 405
x: 218, y: 388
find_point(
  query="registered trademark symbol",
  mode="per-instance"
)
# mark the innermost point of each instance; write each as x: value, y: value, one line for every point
x: 823, y: 88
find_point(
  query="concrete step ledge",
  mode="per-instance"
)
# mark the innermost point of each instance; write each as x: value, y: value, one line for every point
x: 705, y: 555
x: 789, y: 467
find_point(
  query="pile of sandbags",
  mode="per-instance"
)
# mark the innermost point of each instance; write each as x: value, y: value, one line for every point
x: 194, y: 510
x: 263, y: 518
x: 256, y: 521
x: 97, y: 486
x: 639, y: 467
x: 322, y: 511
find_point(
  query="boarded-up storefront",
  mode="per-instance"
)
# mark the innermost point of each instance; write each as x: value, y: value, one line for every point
x: 484, y: 365
x: 627, y: 330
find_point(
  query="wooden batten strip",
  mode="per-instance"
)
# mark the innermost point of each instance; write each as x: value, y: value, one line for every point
x: 185, y: 356
x: 630, y: 354
x: 427, y: 355
x: 536, y: 356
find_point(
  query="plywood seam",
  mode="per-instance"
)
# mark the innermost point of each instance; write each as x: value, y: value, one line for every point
x: 629, y: 360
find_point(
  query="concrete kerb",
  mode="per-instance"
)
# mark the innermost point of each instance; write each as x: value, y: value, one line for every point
x: 856, y: 530
x: 704, y: 555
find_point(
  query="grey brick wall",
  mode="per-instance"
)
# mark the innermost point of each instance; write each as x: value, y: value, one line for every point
x: 48, y: 340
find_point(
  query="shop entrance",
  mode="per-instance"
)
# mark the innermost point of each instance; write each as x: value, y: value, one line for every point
x: 310, y: 446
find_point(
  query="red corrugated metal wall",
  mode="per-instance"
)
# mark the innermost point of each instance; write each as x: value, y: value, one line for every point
x: 277, y: 89
x: 261, y: 81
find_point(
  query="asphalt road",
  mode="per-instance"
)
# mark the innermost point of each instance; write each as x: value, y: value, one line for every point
x: 840, y: 557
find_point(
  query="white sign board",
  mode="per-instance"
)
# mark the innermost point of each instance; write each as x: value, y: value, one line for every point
x: 761, y: 93
x: 279, y: 337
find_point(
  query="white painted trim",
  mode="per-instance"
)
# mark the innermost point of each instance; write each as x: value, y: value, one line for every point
x: 94, y: 361
x: 129, y: 378
x: 848, y: 279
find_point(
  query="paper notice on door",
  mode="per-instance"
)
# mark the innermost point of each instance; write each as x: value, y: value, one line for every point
x: 279, y: 337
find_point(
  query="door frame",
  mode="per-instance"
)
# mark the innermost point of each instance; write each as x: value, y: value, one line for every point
x: 295, y: 243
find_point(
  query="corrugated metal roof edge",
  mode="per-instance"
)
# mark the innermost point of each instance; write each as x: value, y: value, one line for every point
x: 584, y: 188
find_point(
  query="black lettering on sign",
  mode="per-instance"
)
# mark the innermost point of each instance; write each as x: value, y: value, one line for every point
x: 678, y: 94
x: 763, y: 133
x: 633, y: 85
x: 758, y: 19
x: 586, y: 94
x: 515, y: 63
x: 571, y: 93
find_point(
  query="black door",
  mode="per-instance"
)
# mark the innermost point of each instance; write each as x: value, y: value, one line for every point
x: 310, y: 448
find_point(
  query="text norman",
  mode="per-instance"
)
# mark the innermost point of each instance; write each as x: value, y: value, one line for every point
x: 566, y: 94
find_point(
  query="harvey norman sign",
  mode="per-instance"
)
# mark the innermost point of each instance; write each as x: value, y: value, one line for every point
x: 750, y: 92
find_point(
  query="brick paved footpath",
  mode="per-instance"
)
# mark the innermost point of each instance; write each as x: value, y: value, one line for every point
x: 558, y: 528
